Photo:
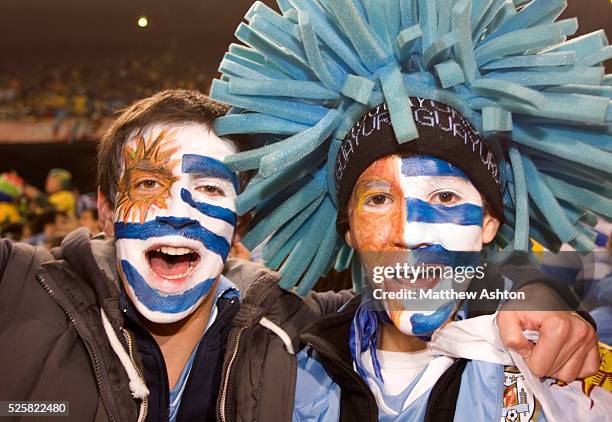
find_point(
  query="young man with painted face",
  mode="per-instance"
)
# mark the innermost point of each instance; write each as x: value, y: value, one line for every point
x: 133, y: 327
x: 433, y: 203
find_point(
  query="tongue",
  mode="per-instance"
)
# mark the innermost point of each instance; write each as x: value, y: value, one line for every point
x: 169, y: 266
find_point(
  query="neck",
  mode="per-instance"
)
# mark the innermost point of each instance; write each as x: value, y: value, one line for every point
x: 393, y: 340
x: 178, y: 339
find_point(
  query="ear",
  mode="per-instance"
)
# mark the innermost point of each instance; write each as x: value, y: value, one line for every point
x: 105, y: 215
x: 490, y: 225
x: 348, y: 237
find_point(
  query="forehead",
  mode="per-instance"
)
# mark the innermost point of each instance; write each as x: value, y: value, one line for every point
x: 188, y: 138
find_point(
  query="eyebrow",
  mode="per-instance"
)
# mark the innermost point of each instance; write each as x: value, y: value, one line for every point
x: 208, y: 167
x: 374, y: 185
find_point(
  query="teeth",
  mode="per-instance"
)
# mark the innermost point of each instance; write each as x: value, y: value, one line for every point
x: 169, y: 250
x: 185, y: 274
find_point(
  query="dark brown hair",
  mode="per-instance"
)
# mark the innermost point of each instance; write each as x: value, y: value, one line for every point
x: 166, y: 107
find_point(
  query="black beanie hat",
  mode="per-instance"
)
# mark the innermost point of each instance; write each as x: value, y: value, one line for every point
x: 443, y: 133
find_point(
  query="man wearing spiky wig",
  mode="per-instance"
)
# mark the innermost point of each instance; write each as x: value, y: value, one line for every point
x: 440, y: 137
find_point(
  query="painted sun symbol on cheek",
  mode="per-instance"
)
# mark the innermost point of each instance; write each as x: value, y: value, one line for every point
x: 147, y: 178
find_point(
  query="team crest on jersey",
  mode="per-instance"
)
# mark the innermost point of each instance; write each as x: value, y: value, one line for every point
x: 518, y: 404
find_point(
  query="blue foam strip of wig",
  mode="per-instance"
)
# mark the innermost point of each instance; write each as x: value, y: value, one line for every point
x: 255, y: 123
x: 330, y: 36
x: 392, y: 17
x: 262, y: 10
x: 210, y: 210
x: 174, y: 226
x: 584, y: 76
x: 521, y: 201
x: 584, y: 45
x: 209, y: 167
x: 258, y: 191
x: 408, y: 13
x: 547, y: 204
x: 598, y: 91
x: 250, y: 54
x: 535, y: 13
x: 482, y: 19
x: 462, y: 214
x: 524, y: 40
x: 371, y: 51
x: 301, y: 256
x: 282, y: 236
x: 428, y: 20
x: 313, y: 52
x: 565, y: 58
x: 398, y: 103
x: 578, y: 196
x: 295, y: 111
x: 509, y: 90
x: 495, y: 119
x: 449, y: 73
x: 427, y: 324
x: 320, y: 262
x: 418, y: 165
x: 377, y: 20
x: 279, y: 37
x: 439, y: 49
x: 276, y: 261
x: 358, y: 88
x: 406, y: 40
x: 572, y: 150
x: 258, y: 70
x: 300, y: 200
x: 154, y: 301
x: 596, y: 58
x: 289, y: 63
x: 464, y: 50
x: 293, y: 151
x: 231, y: 68
x: 282, y: 88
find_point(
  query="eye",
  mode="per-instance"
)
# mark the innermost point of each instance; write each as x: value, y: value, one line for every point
x: 445, y: 197
x: 211, y: 190
x: 378, y: 200
x: 148, y: 184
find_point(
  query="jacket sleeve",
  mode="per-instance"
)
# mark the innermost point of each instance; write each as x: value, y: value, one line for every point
x: 6, y: 247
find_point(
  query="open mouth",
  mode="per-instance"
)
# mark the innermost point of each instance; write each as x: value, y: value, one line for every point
x: 426, y: 277
x: 172, y: 263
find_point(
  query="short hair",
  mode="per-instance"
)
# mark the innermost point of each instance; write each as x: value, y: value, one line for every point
x: 166, y: 107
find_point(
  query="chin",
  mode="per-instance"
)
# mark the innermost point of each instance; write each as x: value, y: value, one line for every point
x: 161, y: 317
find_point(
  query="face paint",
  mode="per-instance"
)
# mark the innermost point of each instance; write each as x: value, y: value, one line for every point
x: 429, y: 208
x: 175, y: 218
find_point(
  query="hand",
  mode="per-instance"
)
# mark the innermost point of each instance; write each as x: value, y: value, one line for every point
x: 567, y: 346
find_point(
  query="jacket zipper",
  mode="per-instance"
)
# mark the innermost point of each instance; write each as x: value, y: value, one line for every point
x: 226, y: 376
x: 145, y: 400
x: 90, y: 347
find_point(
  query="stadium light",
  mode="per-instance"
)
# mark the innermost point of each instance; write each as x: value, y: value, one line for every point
x: 143, y: 22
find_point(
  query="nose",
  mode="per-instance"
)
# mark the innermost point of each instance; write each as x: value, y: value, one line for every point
x: 176, y: 222
x: 416, y: 236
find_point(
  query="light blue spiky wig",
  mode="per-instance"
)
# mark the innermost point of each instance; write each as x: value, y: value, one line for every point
x: 307, y: 75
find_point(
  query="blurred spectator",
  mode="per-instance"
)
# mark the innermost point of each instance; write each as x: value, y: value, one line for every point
x: 89, y: 219
x: 57, y: 187
x: 11, y: 188
x: 58, y: 194
x: 12, y: 231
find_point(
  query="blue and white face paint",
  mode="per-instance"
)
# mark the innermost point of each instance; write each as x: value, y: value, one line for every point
x: 426, y: 211
x: 443, y: 226
x: 174, y: 219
